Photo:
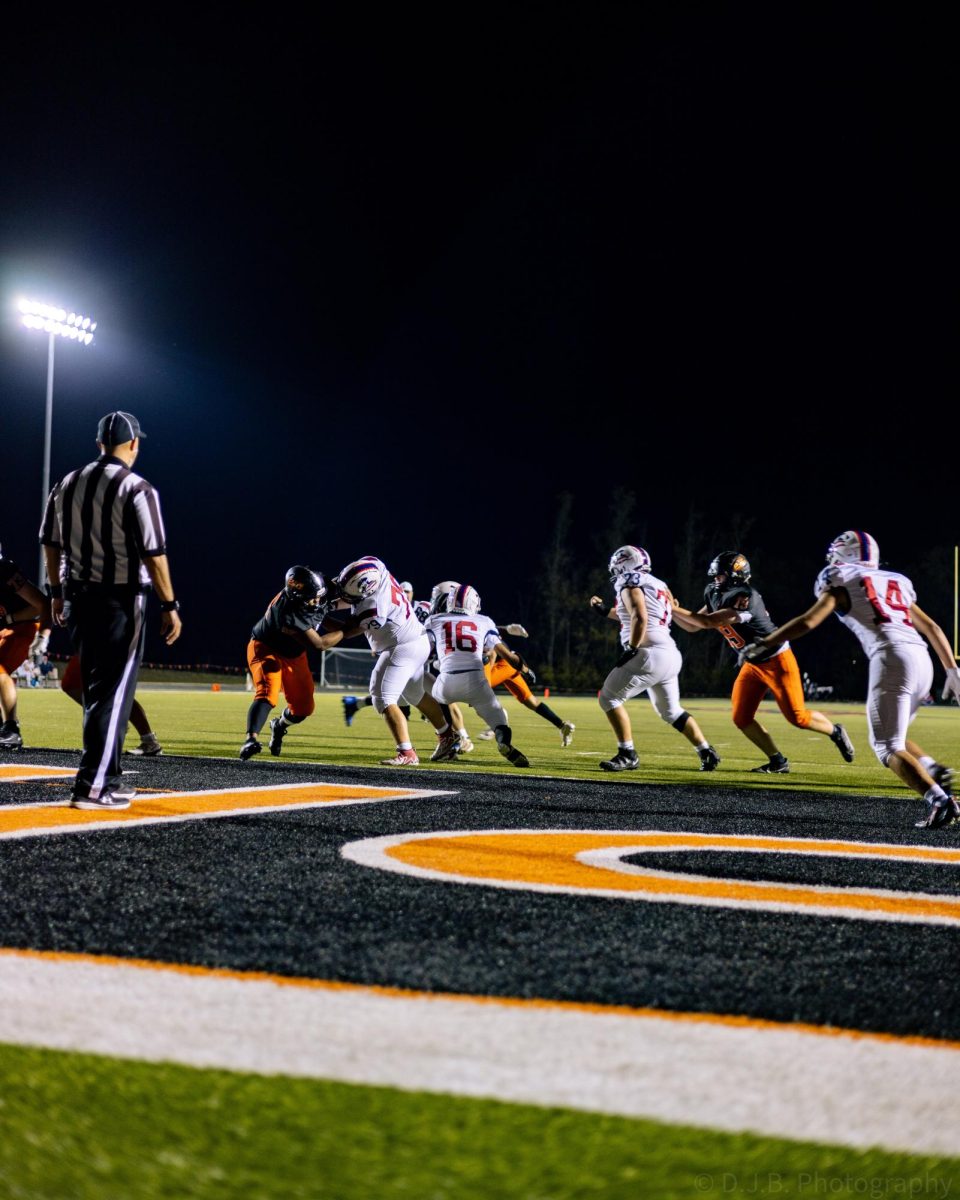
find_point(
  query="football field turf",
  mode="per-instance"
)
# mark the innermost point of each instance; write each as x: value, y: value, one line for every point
x: 316, y: 977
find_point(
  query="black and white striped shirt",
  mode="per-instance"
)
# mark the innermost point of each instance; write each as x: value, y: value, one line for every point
x: 104, y: 519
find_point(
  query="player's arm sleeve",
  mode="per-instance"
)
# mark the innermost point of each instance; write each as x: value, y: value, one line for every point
x: 148, y: 523
x: 50, y: 526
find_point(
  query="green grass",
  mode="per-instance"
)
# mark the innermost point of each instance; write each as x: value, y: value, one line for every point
x: 212, y: 723
x: 97, y: 1128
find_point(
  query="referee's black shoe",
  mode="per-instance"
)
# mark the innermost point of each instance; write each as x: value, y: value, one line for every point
x: 105, y: 802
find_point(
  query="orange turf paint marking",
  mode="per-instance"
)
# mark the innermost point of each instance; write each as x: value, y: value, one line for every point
x: 588, y: 862
x: 25, y: 820
x: 15, y: 773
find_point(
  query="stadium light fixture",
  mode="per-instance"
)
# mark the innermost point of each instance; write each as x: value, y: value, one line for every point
x: 55, y: 322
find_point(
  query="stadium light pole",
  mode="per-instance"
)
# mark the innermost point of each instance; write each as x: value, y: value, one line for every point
x: 55, y: 322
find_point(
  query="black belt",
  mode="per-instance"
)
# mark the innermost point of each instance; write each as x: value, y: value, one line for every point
x: 88, y: 587
x: 465, y: 671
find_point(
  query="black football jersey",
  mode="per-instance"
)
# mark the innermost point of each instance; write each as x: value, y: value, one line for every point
x: 11, y: 578
x: 284, y: 615
x: 732, y: 596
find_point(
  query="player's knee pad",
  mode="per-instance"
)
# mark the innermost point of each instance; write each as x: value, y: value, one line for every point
x: 680, y: 723
x: 292, y: 718
x: 608, y: 700
x: 742, y: 719
x: 884, y: 752
x: 801, y: 718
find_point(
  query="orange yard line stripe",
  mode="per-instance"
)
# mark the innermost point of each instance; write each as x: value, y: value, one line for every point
x: 24, y: 820
x: 9, y: 773
x: 536, y: 1004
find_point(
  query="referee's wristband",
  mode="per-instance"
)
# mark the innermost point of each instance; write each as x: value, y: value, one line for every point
x: 169, y: 605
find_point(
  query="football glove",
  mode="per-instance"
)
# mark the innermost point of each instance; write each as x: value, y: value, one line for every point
x: 952, y: 685
x: 526, y: 672
x: 598, y: 606
x: 516, y: 630
x: 630, y: 653
x: 38, y: 647
x: 751, y: 653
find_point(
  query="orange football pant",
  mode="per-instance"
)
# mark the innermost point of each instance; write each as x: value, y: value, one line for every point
x: 271, y: 671
x: 779, y: 675
x: 499, y: 671
x: 15, y: 644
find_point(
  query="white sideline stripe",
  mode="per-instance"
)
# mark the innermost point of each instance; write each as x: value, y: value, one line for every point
x: 849, y: 1091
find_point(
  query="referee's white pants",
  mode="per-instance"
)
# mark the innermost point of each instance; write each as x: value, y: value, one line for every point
x: 653, y: 670
x: 900, y: 677
x: 400, y: 674
x: 470, y: 687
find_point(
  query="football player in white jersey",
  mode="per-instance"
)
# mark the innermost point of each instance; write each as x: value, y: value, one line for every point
x: 880, y: 608
x: 383, y: 614
x: 462, y: 635
x: 650, y: 661
x: 421, y: 609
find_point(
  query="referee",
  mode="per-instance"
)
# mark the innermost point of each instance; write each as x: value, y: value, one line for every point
x: 104, y: 544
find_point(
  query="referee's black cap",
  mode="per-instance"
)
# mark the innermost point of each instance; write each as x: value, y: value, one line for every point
x: 118, y: 427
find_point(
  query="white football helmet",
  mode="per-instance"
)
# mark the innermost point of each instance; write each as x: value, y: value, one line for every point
x: 361, y: 579
x: 440, y: 595
x: 407, y: 588
x: 854, y: 547
x: 463, y: 599
x: 628, y: 558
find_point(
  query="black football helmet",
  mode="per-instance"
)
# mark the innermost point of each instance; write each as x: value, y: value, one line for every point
x: 305, y: 586
x: 731, y: 563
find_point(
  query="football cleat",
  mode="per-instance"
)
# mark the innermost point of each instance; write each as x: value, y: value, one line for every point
x: 10, y: 738
x: 466, y: 746
x: 278, y: 732
x: 566, y: 733
x: 486, y: 735
x: 842, y: 742
x: 940, y: 814
x: 623, y: 760
x: 106, y: 801
x: 402, y: 758
x: 149, y: 746
x: 513, y: 755
x: 249, y: 748
x: 351, y: 707
x: 776, y: 766
x: 709, y: 758
x: 447, y: 746
x: 505, y: 746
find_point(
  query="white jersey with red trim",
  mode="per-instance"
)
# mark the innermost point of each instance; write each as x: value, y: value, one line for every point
x: 461, y: 640
x: 656, y: 595
x: 388, y: 618
x: 879, y: 605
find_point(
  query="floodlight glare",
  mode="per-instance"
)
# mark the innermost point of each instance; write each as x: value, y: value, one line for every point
x: 55, y: 322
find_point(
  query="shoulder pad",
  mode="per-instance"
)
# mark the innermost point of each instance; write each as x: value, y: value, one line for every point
x: 832, y: 576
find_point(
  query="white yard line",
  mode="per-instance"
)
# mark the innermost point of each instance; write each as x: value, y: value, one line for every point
x: 779, y: 1081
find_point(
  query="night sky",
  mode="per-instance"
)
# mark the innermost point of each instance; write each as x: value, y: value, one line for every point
x: 392, y: 287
